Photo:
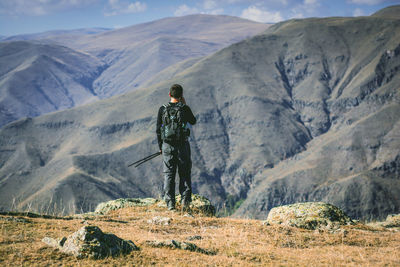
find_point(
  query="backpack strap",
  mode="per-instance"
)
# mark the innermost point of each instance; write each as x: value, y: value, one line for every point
x: 165, y: 113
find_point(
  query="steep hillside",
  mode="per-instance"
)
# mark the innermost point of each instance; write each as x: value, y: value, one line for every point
x: 306, y: 111
x: 126, y: 58
x: 37, y: 79
x: 138, y: 64
x: 344, y: 84
x: 135, y: 54
x: 391, y: 12
x: 218, y: 29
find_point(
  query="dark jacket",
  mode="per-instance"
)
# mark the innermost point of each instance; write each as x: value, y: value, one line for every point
x: 188, y: 117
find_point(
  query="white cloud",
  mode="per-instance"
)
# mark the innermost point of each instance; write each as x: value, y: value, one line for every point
x: 367, y: 2
x: 116, y: 7
x: 217, y: 11
x: 185, y: 10
x: 209, y: 4
x: 358, y: 12
x: 40, y: 7
x: 296, y: 15
x: 310, y: 2
x: 260, y: 15
x: 136, y: 7
x: 211, y: 7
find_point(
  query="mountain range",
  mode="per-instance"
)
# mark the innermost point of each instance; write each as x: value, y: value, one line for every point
x: 99, y: 63
x: 308, y: 110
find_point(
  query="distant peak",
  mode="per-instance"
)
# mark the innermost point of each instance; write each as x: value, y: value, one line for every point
x: 391, y: 12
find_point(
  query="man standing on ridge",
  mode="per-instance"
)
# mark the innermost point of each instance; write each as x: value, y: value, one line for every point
x: 172, y: 134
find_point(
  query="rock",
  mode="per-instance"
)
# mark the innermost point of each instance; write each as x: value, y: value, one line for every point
x: 53, y: 242
x: 14, y: 219
x: 309, y: 215
x: 194, y: 237
x: 160, y: 220
x: 91, y: 242
x: 120, y: 203
x: 178, y: 245
x: 199, y: 205
x: 392, y: 220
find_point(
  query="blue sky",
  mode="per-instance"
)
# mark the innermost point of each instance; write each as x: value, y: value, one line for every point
x: 31, y: 16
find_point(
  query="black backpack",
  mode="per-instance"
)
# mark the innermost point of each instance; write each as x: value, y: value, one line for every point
x: 173, y: 126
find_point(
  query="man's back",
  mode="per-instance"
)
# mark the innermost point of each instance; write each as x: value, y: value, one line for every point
x: 173, y: 142
x: 187, y: 117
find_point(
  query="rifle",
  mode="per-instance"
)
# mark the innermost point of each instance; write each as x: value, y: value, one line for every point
x: 140, y: 162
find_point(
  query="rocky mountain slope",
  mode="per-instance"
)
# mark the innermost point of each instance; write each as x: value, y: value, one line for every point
x: 307, y: 111
x: 135, y: 54
x: 122, y: 60
x: 37, y: 78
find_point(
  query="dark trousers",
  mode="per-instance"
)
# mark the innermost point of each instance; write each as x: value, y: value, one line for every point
x: 177, y: 157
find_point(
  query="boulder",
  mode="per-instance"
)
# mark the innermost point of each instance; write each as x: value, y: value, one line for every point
x: 392, y: 220
x: 91, y: 242
x: 199, y: 204
x: 309, y: 215
x: 105, y: 207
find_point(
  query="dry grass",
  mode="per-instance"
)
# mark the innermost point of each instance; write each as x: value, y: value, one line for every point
x: 236, y: 242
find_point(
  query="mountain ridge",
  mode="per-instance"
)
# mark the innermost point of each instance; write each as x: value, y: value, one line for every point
x: 305, y: 111
x: 38, y: 78
x: 129, y: 56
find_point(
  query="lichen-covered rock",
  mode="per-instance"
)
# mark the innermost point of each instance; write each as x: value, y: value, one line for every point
x: 199, y: 204
x: 178, y: 245
x: 105, y: 207
x: 392, y: 220
x: 309, y: 215
x: 91, y: 242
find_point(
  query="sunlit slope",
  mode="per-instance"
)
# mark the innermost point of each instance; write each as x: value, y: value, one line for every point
x: 37, y: 78
x: 39, y: 74
x: 306, y: 111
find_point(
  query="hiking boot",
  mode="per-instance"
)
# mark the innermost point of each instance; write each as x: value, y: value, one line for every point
x: 186, y: 205
x: 170, y: 205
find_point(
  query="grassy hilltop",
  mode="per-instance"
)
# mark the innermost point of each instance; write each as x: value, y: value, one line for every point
x: 235, y: 242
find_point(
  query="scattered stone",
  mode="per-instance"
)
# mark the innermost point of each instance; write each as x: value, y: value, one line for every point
x: 160, y: 220
x: 199, y: 205
x: 309, y: 215
x: 15, y: 219
x: 392, y: 220
x: 178, y: 245
x: 194, y: 237
x: 54, y: 242
x: 105, y: 207
x: 85, y: 216
x: 91, y: 242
